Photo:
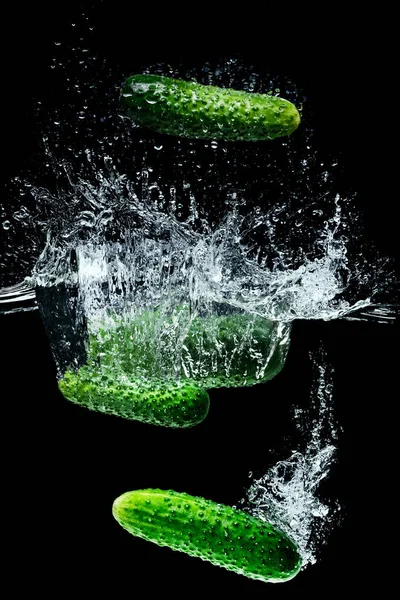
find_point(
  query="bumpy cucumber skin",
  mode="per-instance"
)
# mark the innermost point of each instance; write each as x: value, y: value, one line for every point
x: 190, y: 109
x: 175, y: 405
x: 220, y: 534
x: 129, y: 372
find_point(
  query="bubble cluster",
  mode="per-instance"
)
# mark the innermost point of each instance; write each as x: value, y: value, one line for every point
x: 288, y: 493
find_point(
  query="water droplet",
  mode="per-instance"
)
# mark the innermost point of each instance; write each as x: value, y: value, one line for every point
x: 158, y: 147
x: 21, y: 214
x: 6, y: 225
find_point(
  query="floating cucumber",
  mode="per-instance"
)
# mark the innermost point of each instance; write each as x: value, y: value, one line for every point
x: 220, y: 534
x: 149, y: 401
x: 190, y: 109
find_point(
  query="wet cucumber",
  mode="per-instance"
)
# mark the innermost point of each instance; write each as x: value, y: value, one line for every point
x: 220, y: 534
x: 190, y: 109
x: 137, y: 370
x: 214, y: 351
x: 149, y: 401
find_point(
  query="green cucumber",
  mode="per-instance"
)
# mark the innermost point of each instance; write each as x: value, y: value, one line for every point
x: 190, y: 109
x: 211, y: 351
x: 156, y: 368
x: 235, y: 350
x: 222, y: 535
x: 172, y: 404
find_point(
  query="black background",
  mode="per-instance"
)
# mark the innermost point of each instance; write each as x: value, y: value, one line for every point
x: 62, y: 466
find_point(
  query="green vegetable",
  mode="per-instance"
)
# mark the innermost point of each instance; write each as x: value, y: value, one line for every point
x: 189, y: 109
x: 225, y: 536
x: 211, y: 351
x: 172, y: 404
x: 234, y: 350
x: 156, y: 368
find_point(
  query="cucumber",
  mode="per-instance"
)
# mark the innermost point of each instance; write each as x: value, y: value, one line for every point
x: 172, y: 404
x: 190, y: 109
x: 234, y: 350
x: 156, y: 368
x: 211, y: 351
x: 220, y: 534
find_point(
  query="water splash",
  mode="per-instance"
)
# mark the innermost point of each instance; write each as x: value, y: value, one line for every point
x: 241, y: 261
x: 113, y: 216
x: 287, y: 495
x: 267, y: 228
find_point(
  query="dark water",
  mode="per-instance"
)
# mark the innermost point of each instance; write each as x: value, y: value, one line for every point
x: 65, y: 465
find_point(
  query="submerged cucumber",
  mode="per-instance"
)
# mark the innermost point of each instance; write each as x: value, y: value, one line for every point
x: 210, y: 351
x: 155, y: 402
x: 190, y: 109
x: 140, y: 368
x: 220, y: 534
